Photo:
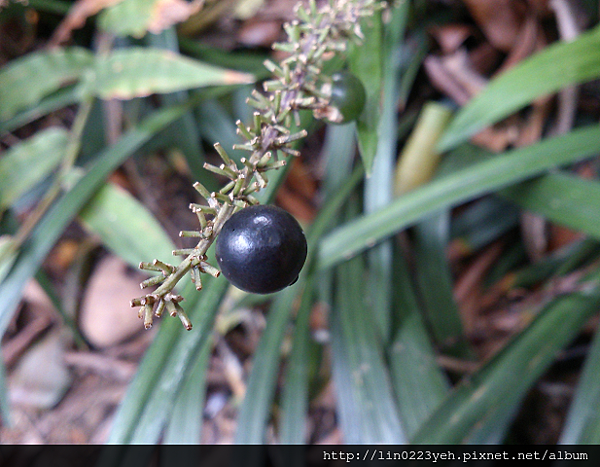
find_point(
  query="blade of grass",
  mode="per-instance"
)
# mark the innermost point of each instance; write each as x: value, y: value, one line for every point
x: 416, y: 165
x: 365, y: 403
x: 502, y: 383
x: 532, y: 78
x: 183, y: 133
x: 482, y: 223
x: 26, y: 164
x: 185, y: 425
x: 338, y: 153
x: 415, y: 51
x: 26, y: 80
x: 295, y: 393
x: 141, y: 71
x: 366, y: 62
x: 582, y: 425
x: 562, y: 198
x: 419, y: 384
x: 419, y: 159
x: 248, y: 61
x: 150, y: 397
x: 255, y: 410
x: 379, y: 190
x: 61, y: 98
x: 119, y: 219
x: 435, y: 283
x: 294, y: 403
x: 458, y: 187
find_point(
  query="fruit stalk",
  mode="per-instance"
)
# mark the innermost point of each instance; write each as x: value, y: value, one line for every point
x: 314, y: 37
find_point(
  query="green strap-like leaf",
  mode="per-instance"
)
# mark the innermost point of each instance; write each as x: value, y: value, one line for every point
x: 138, y: 71
x: 185, y: 425
x: 295, y: 394
x: 255, y: 410
x: 57, y: 100
x: 25, y: 81
x: 582, y: 425
x: 379, y: 186
x: 150, y: 399
x: 126, y: 226
x: 419, y: 384
x: 435, y: 283
x: 563, y: 198
x: 294, y: 403
x: 503, y: 382
x: 459, y: 187
x: 555, y: 67
x: 366, y: 62
x: 30, y: 162
x: 365, y: 403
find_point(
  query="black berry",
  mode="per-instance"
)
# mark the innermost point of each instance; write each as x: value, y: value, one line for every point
x: 347, y: 96
x: 261, y: 249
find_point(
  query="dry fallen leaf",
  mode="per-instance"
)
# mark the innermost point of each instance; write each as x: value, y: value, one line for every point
x: 78, y: 14
x: 106, y: 318
x: 500, y: 20
x: 41, y: 377
x: 166, y: 13
x: 259, y: 33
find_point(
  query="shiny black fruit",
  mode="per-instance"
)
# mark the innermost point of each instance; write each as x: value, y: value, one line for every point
x: 261, y: 249
x: 347, y: 96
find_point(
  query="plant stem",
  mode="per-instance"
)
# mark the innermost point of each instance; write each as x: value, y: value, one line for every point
x: 317, y: 36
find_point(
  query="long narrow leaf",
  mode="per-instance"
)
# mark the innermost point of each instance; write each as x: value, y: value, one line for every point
x: 184, y: 133
x: 294, y: 405
x: 148, y: 403
x: 563, y: 198
x: 504, y: 381
x: 126, y: 226
x: 435, y: 283
x: 29, y: 162
x: 255, y: 409
x: 532, y: 78
x: 459, y: 187
x: 366, y: 405
x: 61, y: 98
x: 295, y: 394
x: 366, y: 62
x: 25, y: 81
x: 419, y: 383
x: 140, y: 71
x: 379, y: 187
x: 134, y: 17
x: 185, y: 425
x: 582, y: 425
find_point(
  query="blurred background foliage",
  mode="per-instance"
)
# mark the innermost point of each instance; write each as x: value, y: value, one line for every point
x: 452, y: 285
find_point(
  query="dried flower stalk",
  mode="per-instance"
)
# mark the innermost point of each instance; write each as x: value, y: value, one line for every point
x: 314, y: 37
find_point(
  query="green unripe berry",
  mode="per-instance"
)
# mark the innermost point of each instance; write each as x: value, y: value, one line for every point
x: 348, y: 98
